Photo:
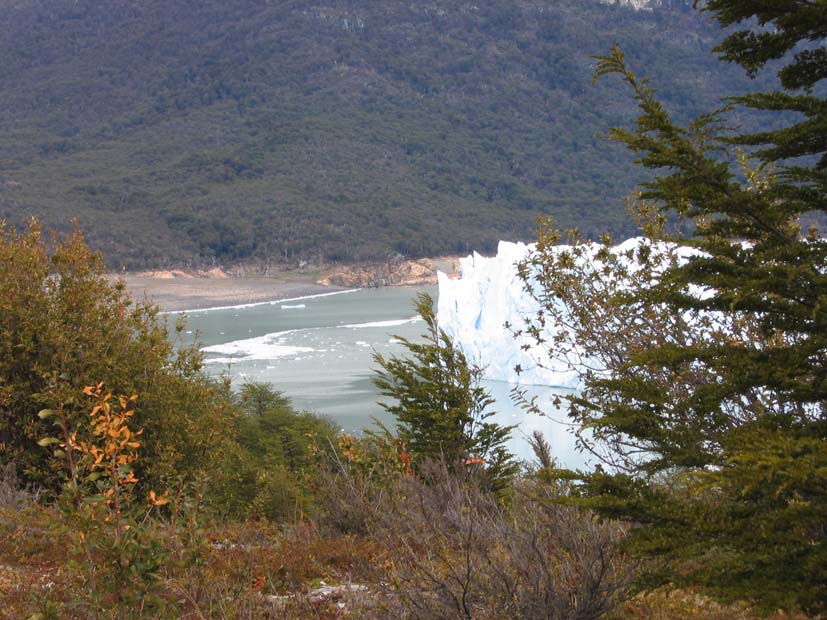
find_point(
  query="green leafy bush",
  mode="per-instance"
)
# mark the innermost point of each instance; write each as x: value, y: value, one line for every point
x: 268, y: 472
x: 65, y: 324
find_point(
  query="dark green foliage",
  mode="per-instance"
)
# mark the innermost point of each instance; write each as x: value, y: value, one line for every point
x: 269, y: 473
x: 716, y: 402
x: 65, y: 325
x: 258, y: 399
x: 783, y: 26
x: 439, y: 405
x: 222, y: 131
x: 793, y: 33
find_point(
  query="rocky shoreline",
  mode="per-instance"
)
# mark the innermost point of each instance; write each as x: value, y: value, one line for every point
x: 177, y: 290
x: 419, y: 272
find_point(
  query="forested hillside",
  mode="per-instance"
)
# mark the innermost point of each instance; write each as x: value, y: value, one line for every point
x: 193, y: 132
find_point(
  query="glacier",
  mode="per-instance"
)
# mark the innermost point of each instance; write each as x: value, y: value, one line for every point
x: 475, y: 309
x: 480, y: 310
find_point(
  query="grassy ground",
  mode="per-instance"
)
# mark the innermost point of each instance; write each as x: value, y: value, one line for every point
x: 254, y: 570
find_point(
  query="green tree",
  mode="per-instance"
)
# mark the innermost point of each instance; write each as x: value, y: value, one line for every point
x: 441, y: 409
x: 64, y: 325
x: 269, y: 470
x: 258, y: 398
x: 716, y: 400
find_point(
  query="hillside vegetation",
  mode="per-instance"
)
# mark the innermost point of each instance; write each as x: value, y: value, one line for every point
x: 201, y: 132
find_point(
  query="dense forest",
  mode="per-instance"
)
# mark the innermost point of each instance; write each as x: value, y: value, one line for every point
x: 201, y: 132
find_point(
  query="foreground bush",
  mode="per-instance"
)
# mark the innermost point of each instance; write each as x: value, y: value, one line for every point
x: 462, y: 556
x: 453, y: 549
x: 270, y: 469
x: 64, y: 325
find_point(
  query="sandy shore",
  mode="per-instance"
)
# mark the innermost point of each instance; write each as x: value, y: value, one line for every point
x: 198, y: 293
x: 176, y: 289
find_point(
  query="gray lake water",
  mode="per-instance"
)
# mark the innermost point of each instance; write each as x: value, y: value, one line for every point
x: 319, y: 352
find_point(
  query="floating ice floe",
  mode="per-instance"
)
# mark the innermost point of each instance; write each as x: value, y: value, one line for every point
x: 260, y: 303
x: 376, y: 324
x: 267, y: 347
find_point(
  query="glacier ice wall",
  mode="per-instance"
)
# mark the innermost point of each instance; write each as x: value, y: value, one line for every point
x: 477, y: 309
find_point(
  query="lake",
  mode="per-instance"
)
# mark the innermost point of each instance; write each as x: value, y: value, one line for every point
x: 319, y: 351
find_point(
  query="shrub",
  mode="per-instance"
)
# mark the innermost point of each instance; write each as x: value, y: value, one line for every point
x: 64, y: 325
x: 13, y: 495
x: 268, y: 470
x: 357, y: 479
x: 458, y: 554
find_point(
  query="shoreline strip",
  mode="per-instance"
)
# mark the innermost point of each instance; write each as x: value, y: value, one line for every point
x: 258, y: 303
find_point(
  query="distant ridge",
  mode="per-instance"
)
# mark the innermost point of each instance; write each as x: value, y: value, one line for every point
x: 649, y: 5
x: 193, y: 133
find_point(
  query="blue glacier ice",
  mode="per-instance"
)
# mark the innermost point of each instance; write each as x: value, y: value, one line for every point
x: 476, y: 309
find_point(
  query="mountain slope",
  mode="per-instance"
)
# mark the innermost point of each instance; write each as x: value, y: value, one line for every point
x: 189, y: 132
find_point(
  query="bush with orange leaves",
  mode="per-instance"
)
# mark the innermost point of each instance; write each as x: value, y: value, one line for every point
x: 116, y: 550
x: 65, y: 324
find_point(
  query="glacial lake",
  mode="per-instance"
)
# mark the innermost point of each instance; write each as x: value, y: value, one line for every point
x: 319, y: 351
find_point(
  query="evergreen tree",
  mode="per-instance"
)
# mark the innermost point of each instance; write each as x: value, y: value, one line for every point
x: 441, y: 409
x: 726, y: 435
x: 257, y: 398
x: 268, y: 472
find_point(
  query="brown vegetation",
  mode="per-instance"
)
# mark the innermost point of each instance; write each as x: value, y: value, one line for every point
x: 435, y: 551
x: 392, y: 273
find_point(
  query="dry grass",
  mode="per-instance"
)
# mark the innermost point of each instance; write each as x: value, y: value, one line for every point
x: 259, y: 571
x: 675, y: 604
x: 33, y: 562
x: 238, y: 571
